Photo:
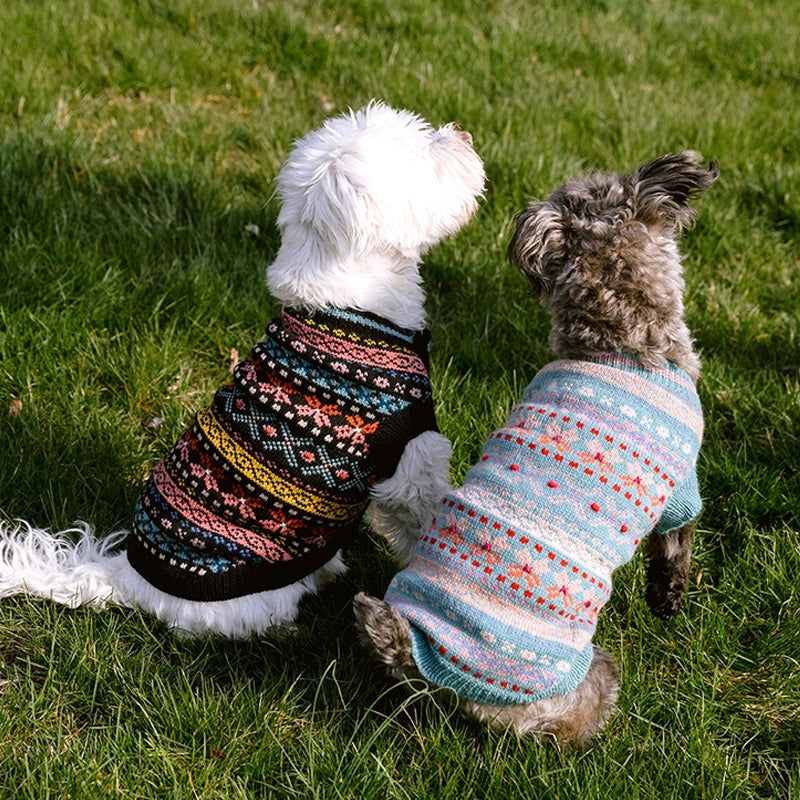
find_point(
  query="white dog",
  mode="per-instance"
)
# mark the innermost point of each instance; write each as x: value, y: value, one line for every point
x: 249, y: 510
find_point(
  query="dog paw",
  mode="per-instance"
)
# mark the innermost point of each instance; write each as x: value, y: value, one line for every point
x: 664, y: 601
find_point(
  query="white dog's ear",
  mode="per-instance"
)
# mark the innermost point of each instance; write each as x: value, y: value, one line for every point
x: 326, y: 200
x: 537, y: 244
x: 664, y: 186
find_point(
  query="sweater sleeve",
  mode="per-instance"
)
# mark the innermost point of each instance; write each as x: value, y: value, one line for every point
x: 683, y: 505
x: 397, y: 431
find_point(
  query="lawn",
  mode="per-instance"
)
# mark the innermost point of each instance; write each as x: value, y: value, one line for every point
x: 139, y: 141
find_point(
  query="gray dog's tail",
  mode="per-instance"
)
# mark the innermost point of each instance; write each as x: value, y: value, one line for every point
x: 384, y: 631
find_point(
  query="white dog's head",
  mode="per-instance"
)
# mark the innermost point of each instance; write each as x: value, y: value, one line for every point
x: 363, y: 198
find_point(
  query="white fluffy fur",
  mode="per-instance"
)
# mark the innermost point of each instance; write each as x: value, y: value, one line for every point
x: 74, y: 567
x: 362, y: 199
x: 405, y: 502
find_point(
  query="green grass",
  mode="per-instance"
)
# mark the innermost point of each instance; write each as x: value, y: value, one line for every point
x: 137, y: 142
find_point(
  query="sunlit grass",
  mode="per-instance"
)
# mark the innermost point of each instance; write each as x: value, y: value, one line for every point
x: 138, y: 146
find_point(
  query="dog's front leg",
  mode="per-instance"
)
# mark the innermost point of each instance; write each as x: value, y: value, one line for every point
x: 669, y: 557
x: 404, y: 504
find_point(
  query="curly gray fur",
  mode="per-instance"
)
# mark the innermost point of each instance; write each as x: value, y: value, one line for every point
x: 602, y: 256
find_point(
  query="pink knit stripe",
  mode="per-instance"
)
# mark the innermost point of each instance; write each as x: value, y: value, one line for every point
x: 195, y: 514
x: 368, y: 356
x: 488, y: 526
x: 667, y: 375
x: 489, y: 601
x: 502, y: 673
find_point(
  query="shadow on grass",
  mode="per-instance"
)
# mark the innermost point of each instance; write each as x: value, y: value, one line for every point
x: 88, y: 250
x: 59, y: 475
x: 64, y: 222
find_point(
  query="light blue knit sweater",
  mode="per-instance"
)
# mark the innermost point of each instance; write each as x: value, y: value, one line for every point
x: 504, y: 590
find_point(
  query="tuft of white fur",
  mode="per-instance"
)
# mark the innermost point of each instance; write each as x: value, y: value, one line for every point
x: 404, y: 504
x: 362, y: 199
x: 71, y: 567
x: 74, y: 568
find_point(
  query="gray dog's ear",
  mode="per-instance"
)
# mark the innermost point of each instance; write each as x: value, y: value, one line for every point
x: 536, y: 243
x: 663, y: 187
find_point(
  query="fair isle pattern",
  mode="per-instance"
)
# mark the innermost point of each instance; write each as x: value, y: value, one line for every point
x: 504, y: 589
x: 273, y: 478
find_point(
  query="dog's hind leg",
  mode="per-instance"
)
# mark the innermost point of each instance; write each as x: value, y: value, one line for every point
x: 404, y: 504
x: 669, y: 558
x: 571, y: 719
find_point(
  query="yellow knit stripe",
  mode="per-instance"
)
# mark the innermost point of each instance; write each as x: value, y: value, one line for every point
x: 279, y: 488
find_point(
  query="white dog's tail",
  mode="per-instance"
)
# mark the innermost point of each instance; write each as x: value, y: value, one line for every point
x: 71, y: 567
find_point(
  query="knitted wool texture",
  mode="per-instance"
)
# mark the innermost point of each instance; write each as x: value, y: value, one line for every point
x: 504, y: 590
x: 273, y: 478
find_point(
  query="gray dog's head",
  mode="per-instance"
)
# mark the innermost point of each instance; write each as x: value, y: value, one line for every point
x: 601, y: 253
